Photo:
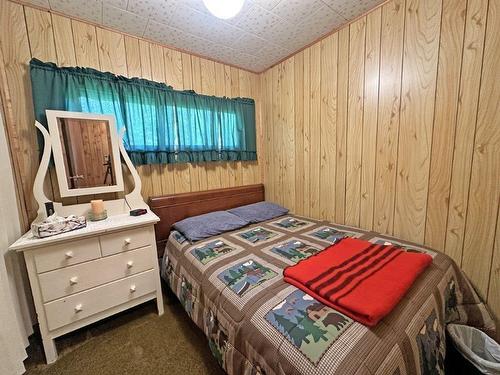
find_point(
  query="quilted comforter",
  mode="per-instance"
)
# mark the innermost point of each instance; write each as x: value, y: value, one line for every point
x: 232, y: 287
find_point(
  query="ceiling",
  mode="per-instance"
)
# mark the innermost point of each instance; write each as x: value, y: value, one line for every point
x: 263, y: 33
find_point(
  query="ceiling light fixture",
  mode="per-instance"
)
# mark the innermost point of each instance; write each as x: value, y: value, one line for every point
x: 224, y: 9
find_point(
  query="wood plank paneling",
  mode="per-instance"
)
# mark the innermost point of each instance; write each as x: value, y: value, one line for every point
x: 391, y: 46
x: 288, y: 135
x: 445, y: 112
x: 342, y: 99
x: 314, y: 128
x: 402, y: 89
x: 484, y: 190
x: 472, y: 61
x: 307, y: 131
x: 494, y: 286
x: 370, y: 116
x: 421, y: 48
x: 22, y: 134
x: 329, y: 50
x: 41, y: 37
x: 63, y: 39
x: 357, y: 33
x: 85, y: 44
x: 27, y: 32
x: 298, y: 95
x: 111, y: 49
x: 276, y: 143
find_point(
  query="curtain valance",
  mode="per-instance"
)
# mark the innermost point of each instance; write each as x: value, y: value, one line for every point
x: 162, y: 125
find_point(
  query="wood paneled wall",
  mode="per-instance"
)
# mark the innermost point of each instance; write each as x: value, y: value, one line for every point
x: 392, y: 124
x: 26, y: 32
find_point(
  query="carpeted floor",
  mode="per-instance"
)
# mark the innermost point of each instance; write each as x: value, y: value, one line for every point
x: 137, y: 341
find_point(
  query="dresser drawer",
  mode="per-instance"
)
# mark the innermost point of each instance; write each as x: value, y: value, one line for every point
x: 63, y: 282
x: 82, y: 305
x: 66, y: 254
x: 126, y: 240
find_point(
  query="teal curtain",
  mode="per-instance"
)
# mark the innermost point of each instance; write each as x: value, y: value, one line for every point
x: 162, y: 125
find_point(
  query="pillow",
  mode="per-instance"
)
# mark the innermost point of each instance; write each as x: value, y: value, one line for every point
x: 257, y: 212
x: 203, y: 226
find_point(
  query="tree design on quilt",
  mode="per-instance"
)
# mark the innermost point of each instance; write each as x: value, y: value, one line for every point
x: 295, y: 250
x: 217, y: 337
x: 211, y: 251
x: 431, y: 346
x: 168, y: 271
x: 291, y: 223
x: 332, y: 235
x: 245, y: 276
x: 186, y: 296
x: 451, y: 301
x: 257, y: 235
x: 307, y: 324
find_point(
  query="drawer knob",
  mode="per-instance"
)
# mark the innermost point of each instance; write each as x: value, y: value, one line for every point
x: 128, y: 241
x: 132, y: 288
x: 130, y: 263
x: 73, y: 280
x: 69, y: 254
x: 78, y: 308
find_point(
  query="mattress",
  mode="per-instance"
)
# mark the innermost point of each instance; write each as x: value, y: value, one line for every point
x: 232, y: 287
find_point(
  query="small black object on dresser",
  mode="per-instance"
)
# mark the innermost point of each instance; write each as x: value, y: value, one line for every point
x: 138, y: 212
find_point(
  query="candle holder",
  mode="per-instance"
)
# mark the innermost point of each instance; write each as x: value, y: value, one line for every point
x: 98, y: 217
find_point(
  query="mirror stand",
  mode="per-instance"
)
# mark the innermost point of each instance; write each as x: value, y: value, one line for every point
x: 131, y: 201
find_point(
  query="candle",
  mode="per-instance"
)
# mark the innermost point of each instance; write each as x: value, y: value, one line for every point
x: 97, y: 207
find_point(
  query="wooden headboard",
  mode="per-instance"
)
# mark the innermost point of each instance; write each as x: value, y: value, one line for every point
x: 175, y: 207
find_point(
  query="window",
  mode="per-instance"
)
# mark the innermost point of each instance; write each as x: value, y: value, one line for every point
x: 162, y: 125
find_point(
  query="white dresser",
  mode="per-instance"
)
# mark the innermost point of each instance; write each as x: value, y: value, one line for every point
x: 82, y: 276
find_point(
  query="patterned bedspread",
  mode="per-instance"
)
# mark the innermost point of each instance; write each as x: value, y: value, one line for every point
x: 232, y: 287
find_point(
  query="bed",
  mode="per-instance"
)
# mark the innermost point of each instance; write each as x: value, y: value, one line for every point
x: 232, y: 287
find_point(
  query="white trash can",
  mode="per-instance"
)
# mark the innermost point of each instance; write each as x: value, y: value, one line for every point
x: 477, y: 347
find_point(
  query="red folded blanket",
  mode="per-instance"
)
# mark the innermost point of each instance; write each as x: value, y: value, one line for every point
x: 358, y: 278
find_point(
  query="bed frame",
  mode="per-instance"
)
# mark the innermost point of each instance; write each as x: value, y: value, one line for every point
x: 174, y: 207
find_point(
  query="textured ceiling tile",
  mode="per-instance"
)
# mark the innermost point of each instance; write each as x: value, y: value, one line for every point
x: 272, y: 54
x: 322, y: 21
x: 122, y: 4
x: 244, y: 60
x: 90, y: 10
x: 249, y: 43
x: 222, y: 53
x: 123, y: 20
x: 40, y: 3
x: 194, y: 4
x: 268, y: 4
x: 352, y: 9
x: 258, y: 21
x: 281, y: 32
x: 160, y: 32
x: 296, y: 11
x: 203, y: 25
x: 243, y: 14
x: 148, y: 8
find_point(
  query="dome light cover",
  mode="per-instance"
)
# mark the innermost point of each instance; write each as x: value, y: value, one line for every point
x: 224, y: 9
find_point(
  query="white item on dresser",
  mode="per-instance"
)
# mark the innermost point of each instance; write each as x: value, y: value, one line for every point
x: 85, y: 275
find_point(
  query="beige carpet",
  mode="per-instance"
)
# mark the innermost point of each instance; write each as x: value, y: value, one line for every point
x: 134, y: 342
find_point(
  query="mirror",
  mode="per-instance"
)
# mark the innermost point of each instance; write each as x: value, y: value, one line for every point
x: 86, y: 153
